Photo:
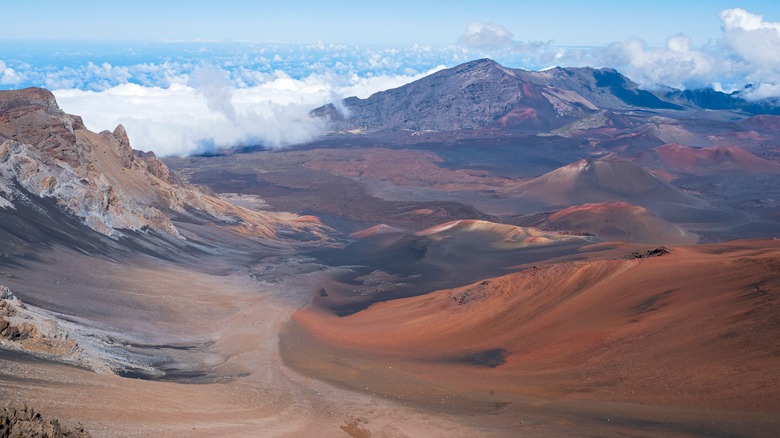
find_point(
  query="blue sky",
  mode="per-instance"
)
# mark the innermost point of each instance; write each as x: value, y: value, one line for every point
x: 362, y: 22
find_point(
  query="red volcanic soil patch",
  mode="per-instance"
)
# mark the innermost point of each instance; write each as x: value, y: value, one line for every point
x: 378, y: 229
x: 619, y: 221
x: 596, y: 181
x: 741, y: 135
x: 403, y: 168
x: 762, y: 122
x: 717, y: 160
x: 697, y: 327
x: 310, y: 219
x: 423, y: 211
x: 517, y: 116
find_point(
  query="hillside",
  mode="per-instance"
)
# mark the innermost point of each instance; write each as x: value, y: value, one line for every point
x: 484, y: 94
x: 49, y: 158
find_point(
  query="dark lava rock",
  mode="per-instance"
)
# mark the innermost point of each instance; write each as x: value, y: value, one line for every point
x: 655, y: 252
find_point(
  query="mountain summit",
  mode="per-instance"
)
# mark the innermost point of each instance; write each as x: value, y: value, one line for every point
x: 485, y: 94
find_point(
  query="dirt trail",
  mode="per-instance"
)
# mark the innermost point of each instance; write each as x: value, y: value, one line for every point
x: 249, y: 391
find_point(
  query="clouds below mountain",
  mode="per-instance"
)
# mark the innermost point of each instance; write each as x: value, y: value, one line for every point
x: 210, y: 111
x: 182, y: 98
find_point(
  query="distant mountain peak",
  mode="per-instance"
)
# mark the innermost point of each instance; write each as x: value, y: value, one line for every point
x: 483, y: 94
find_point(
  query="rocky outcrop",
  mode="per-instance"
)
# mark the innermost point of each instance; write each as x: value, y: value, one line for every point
x: 33, y: 330
x: 47, y: 334
x: 100, y: 179
x: 86, y: 193
x: 24, y: 421
x: 123, y: 147
x: 154, y: 165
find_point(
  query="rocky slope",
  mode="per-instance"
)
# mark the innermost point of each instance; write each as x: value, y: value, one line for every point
x: 484, y: 94
x: 99, y: 178
x: 62, y: 338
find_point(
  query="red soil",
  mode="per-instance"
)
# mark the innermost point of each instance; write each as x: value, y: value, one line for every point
x: 696, y: 328
x: 676, y: 157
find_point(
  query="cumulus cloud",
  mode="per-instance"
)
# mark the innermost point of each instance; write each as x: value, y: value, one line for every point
x: 676, y: 64
x: 490, y: 36
x: 8, y: 76
x: 755, y: 48
x: 486, y: 35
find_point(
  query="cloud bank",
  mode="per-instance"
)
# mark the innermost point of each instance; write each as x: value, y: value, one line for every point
x: 747, y: 53
x: 211, y: 111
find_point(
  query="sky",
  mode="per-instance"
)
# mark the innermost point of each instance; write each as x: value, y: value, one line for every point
x: 401, y: 22
x: 189, y: 77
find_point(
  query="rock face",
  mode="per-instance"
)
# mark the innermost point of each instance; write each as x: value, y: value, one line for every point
x: 25, y: 422
x: 40, y: 332
x: 100, y: 179
x: 484, y: 94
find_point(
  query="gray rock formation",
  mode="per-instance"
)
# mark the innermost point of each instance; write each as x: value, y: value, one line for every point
x: 100, y: 179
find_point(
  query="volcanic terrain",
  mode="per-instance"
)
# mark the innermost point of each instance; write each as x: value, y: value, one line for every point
x: 486, y: 251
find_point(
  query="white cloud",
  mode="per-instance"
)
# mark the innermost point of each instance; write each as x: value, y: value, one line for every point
x: 486, y: 35
x: 209, y: 112
x: 747, y: 53
x: 490, y: 36
x: 755, y: 47
x: 8, y: 76
x: 364, y: 87
x: 675, y: 65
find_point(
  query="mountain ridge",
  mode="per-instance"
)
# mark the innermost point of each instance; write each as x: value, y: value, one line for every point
x: 100, y: 179
x: 483, y: 94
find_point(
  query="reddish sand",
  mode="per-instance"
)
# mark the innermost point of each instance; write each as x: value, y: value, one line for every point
x: 694, y: 329
x: 598, y: 181
x: 403, y: 168
x: 764, y: 121
x: 620, y: 221
x: 717, y: 160
x: 376, y: 230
